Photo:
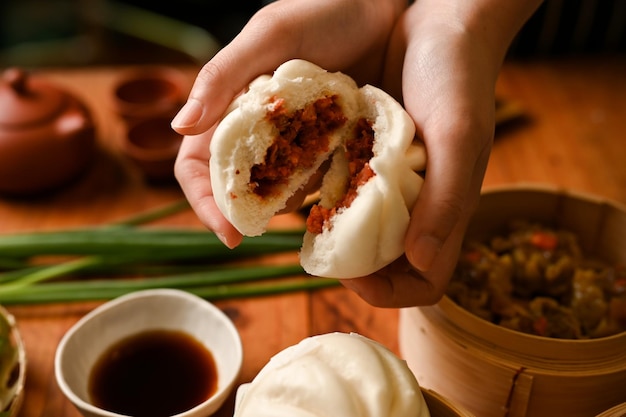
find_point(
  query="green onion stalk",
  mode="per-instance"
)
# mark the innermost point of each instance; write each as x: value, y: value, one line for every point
x: 156, y: 257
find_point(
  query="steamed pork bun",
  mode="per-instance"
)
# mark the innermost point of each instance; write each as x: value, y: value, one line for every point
x: 283, y: 129
x: 335, y: 374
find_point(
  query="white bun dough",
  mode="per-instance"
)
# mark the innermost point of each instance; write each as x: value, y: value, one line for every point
x: 334, y: 374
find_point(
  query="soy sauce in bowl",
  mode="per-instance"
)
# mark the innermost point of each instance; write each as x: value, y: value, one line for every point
x: 178, y: 368
x: 155, y: 373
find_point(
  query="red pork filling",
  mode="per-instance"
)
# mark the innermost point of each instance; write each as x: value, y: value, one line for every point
x: 358, y: 153
x: 303, y: 134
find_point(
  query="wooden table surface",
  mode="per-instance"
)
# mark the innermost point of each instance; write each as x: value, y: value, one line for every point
x: 573, y: 135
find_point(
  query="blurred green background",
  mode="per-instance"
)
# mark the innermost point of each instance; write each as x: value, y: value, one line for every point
x: 37, y: 33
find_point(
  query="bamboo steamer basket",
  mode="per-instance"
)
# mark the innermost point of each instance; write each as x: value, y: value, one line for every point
x: 495, y: 372
x: 617, y: 411
x: 439, y: 406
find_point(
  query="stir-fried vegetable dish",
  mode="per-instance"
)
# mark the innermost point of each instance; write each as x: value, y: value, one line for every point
x: 537, y: 280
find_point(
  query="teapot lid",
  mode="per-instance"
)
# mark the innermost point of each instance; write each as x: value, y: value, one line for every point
x: 25, y: 100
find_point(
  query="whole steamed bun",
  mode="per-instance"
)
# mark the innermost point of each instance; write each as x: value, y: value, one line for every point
x: 334, y: 374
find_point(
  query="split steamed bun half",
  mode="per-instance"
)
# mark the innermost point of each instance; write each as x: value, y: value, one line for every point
x: 278, y: 134
x: 243, y: 137
x: 334, y: 374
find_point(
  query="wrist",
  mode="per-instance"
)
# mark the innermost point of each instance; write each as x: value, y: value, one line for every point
x: 492, y: 23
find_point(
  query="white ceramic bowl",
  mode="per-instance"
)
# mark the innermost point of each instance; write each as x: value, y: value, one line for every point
x: 159, y: 309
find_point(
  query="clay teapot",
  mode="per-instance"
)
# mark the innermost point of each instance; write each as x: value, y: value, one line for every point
x: 47, y: 136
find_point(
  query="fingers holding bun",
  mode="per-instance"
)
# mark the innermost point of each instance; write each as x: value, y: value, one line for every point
x: 280, y: 132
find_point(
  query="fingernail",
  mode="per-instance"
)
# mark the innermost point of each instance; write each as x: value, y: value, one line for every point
x: 222, y: 238
x: 425, y: 249
x: 189, y: 115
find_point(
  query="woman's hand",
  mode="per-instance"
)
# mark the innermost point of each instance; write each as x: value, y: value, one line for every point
x: 444, y: 59
x: 340, y: 35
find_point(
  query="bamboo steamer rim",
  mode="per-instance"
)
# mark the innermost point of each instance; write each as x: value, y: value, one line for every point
x: 617, y: 411
x: 593, y: 356
x: 440, y: 406
x: 552, y: 190
x: 483, y: 382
